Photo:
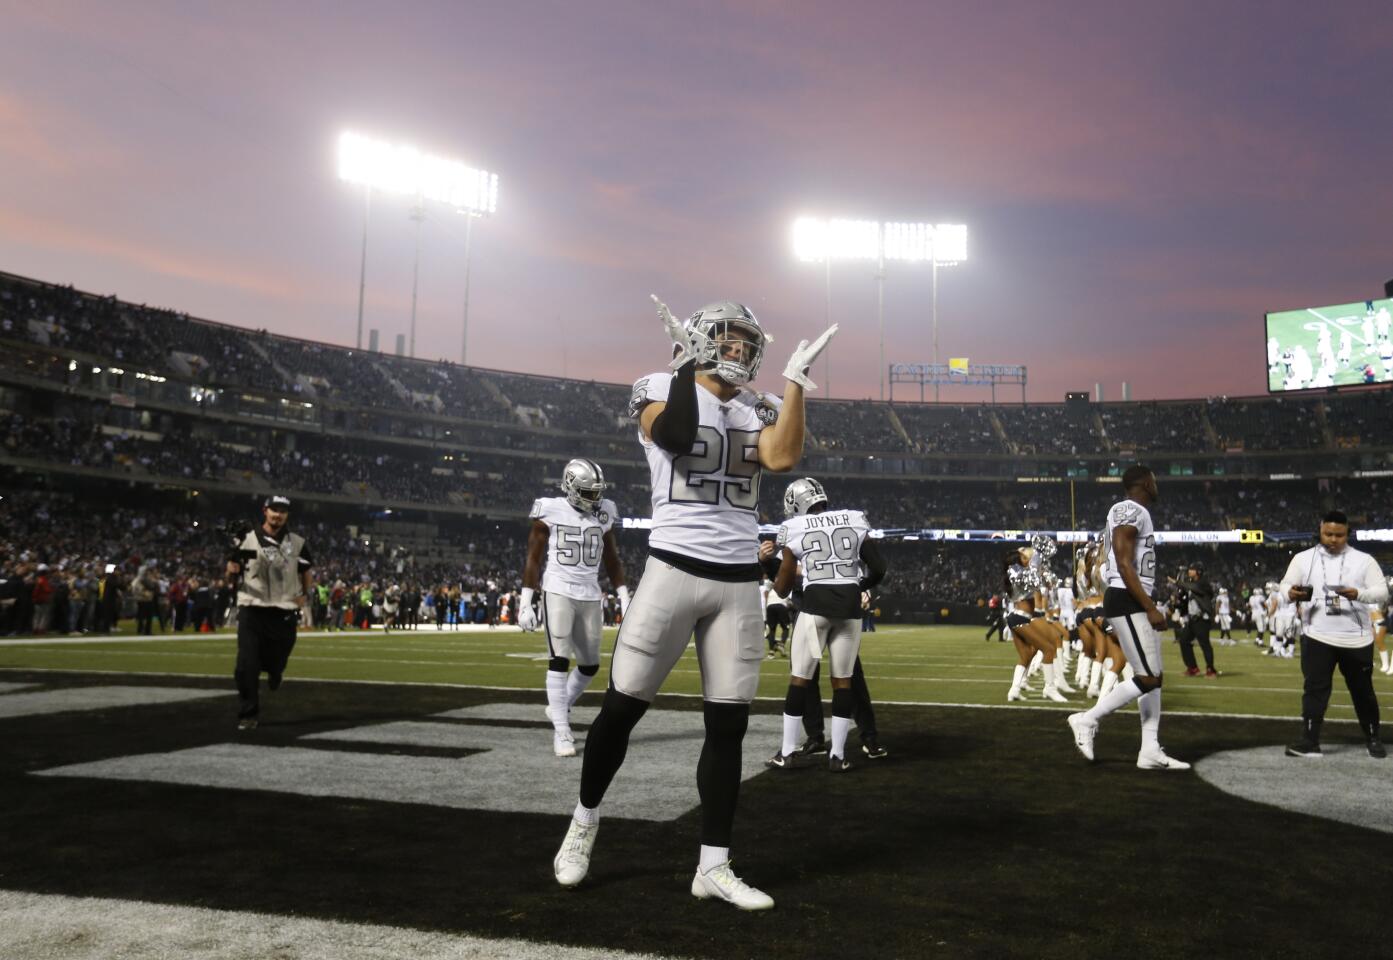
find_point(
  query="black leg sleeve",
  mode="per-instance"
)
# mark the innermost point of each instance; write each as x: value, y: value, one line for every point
x: 718, y: 771
x: 863, y: 712
x: 607, y: 744
x: 812, y: 706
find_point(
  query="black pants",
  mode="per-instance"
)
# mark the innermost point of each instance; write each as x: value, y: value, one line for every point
x: 1196, y: 631
x: 145, y: 617
x: 775, y: 620
x: 861, y: 712
x: 996, y: 626
x: 1318, y: 663
x: 265, y: 637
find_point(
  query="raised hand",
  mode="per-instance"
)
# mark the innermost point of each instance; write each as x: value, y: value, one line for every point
x: 803, y: 357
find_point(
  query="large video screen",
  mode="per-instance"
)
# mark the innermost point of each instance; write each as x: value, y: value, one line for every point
x: 1340, y: 346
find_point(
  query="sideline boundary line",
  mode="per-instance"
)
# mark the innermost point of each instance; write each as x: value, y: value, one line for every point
x: 686, y: 696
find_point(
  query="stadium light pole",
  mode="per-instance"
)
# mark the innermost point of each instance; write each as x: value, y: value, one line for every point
x: 940, y: 244
x: 418, y: 213
x: 404, y: 170
x: 949, y: 250
x: 363, y: 265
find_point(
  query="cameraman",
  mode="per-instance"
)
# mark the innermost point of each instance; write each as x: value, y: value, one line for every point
x: 1195, y: 601
x: 1333, y: 584
x: 274, y: 567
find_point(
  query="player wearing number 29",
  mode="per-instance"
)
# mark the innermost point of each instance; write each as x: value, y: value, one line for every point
x: 574, y: 533
x: 707, y: 437
x: 839, y: 561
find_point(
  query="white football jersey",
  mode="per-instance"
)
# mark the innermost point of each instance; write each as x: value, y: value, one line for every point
x: 1065, y: 600
x: 1257, y: 603
x: 828, y: 545
x: 575, y: 546
x: 1129, y: 513
x: 706, y: 503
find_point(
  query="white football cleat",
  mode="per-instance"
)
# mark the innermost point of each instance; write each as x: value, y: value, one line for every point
x: 721, y: 883
x: 572, y: 861
x: 1157, y: 760
x: 563, y: 743
x: 1084, y: 732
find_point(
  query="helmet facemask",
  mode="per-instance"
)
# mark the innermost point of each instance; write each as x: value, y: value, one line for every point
x: 734, y: 342
x: 583, y: 483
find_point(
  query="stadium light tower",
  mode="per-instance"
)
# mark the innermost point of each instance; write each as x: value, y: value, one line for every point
x: 827, y: 240
x: 404, y: 170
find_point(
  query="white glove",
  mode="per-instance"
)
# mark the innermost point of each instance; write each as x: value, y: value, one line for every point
x: 690, y: 344
x: 803, y: 357
x: 623, y: 592
x: 527, y: 614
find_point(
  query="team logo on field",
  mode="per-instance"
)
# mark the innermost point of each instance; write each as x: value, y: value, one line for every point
x: 766, y: 413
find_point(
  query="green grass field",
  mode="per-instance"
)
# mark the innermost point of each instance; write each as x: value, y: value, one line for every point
x: 1303, y: 328
x: 904, y: 664
x: 984, y: 834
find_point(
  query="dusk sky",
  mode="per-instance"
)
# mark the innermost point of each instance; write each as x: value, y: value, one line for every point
x: 1141, y: 181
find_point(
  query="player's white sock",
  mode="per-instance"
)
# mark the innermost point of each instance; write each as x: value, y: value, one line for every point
x: 576, y: 682
x: 792, y: 726
x: 1149, y: 706
x: 840, y: 727
x: 1118, y: 697
x: 586, y: 815
x: 712, y: 857
x: 1127, y: 672
x: 1109, y: 681
x: 1017, y: 678
x: 558, y: 706
x: 1035, y: 663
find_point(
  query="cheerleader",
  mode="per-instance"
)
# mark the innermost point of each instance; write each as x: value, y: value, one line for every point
x: 1022, y: 579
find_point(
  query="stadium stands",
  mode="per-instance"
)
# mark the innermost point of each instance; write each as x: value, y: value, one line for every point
x: 154, y: 409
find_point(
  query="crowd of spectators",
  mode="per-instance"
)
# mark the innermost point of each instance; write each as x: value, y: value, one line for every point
x: 199, y: 353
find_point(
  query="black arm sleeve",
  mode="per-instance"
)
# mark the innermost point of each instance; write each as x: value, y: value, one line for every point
x: 675, y: 428
x: 875, y: 565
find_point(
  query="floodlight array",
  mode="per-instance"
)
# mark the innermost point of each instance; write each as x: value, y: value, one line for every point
x: 401, y: 169
x: 816, y: 239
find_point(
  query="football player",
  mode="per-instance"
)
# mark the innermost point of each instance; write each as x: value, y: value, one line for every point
x: 1223, y: 614
x: 1133, y: 615
x: 838, y: 561
x: 707, y: 437
x: 575, y: 533
x: 1257, y: 609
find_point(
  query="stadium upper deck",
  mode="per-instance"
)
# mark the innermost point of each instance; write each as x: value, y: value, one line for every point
x: 100, y: 383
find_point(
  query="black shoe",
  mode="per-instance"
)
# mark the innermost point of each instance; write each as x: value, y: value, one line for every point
x: 838, y: 764
x: 811, y: 746
x: 781, y: 762
x: 1304, y: 748
x: 1377, y: 749
x: 871, y: 747
x: 246, y: 723
x: 273, y: 681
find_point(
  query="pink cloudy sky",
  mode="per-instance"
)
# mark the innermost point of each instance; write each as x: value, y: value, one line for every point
x: 1141, y: 180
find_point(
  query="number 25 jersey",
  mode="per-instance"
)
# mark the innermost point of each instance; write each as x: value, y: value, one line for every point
x: 575, y: 546
x: 706, y: 502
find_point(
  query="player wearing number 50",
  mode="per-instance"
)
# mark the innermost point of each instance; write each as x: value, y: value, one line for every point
x: 707, y: 437
x: 839, y: 561
x: 575, y: 534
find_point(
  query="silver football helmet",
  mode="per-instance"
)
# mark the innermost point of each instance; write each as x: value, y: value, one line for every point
x: 802, y: 495
x: 734, y: 358
x: 583, y: 483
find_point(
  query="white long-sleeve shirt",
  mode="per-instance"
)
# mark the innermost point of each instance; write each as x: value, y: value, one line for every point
x: 1348, y: 625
